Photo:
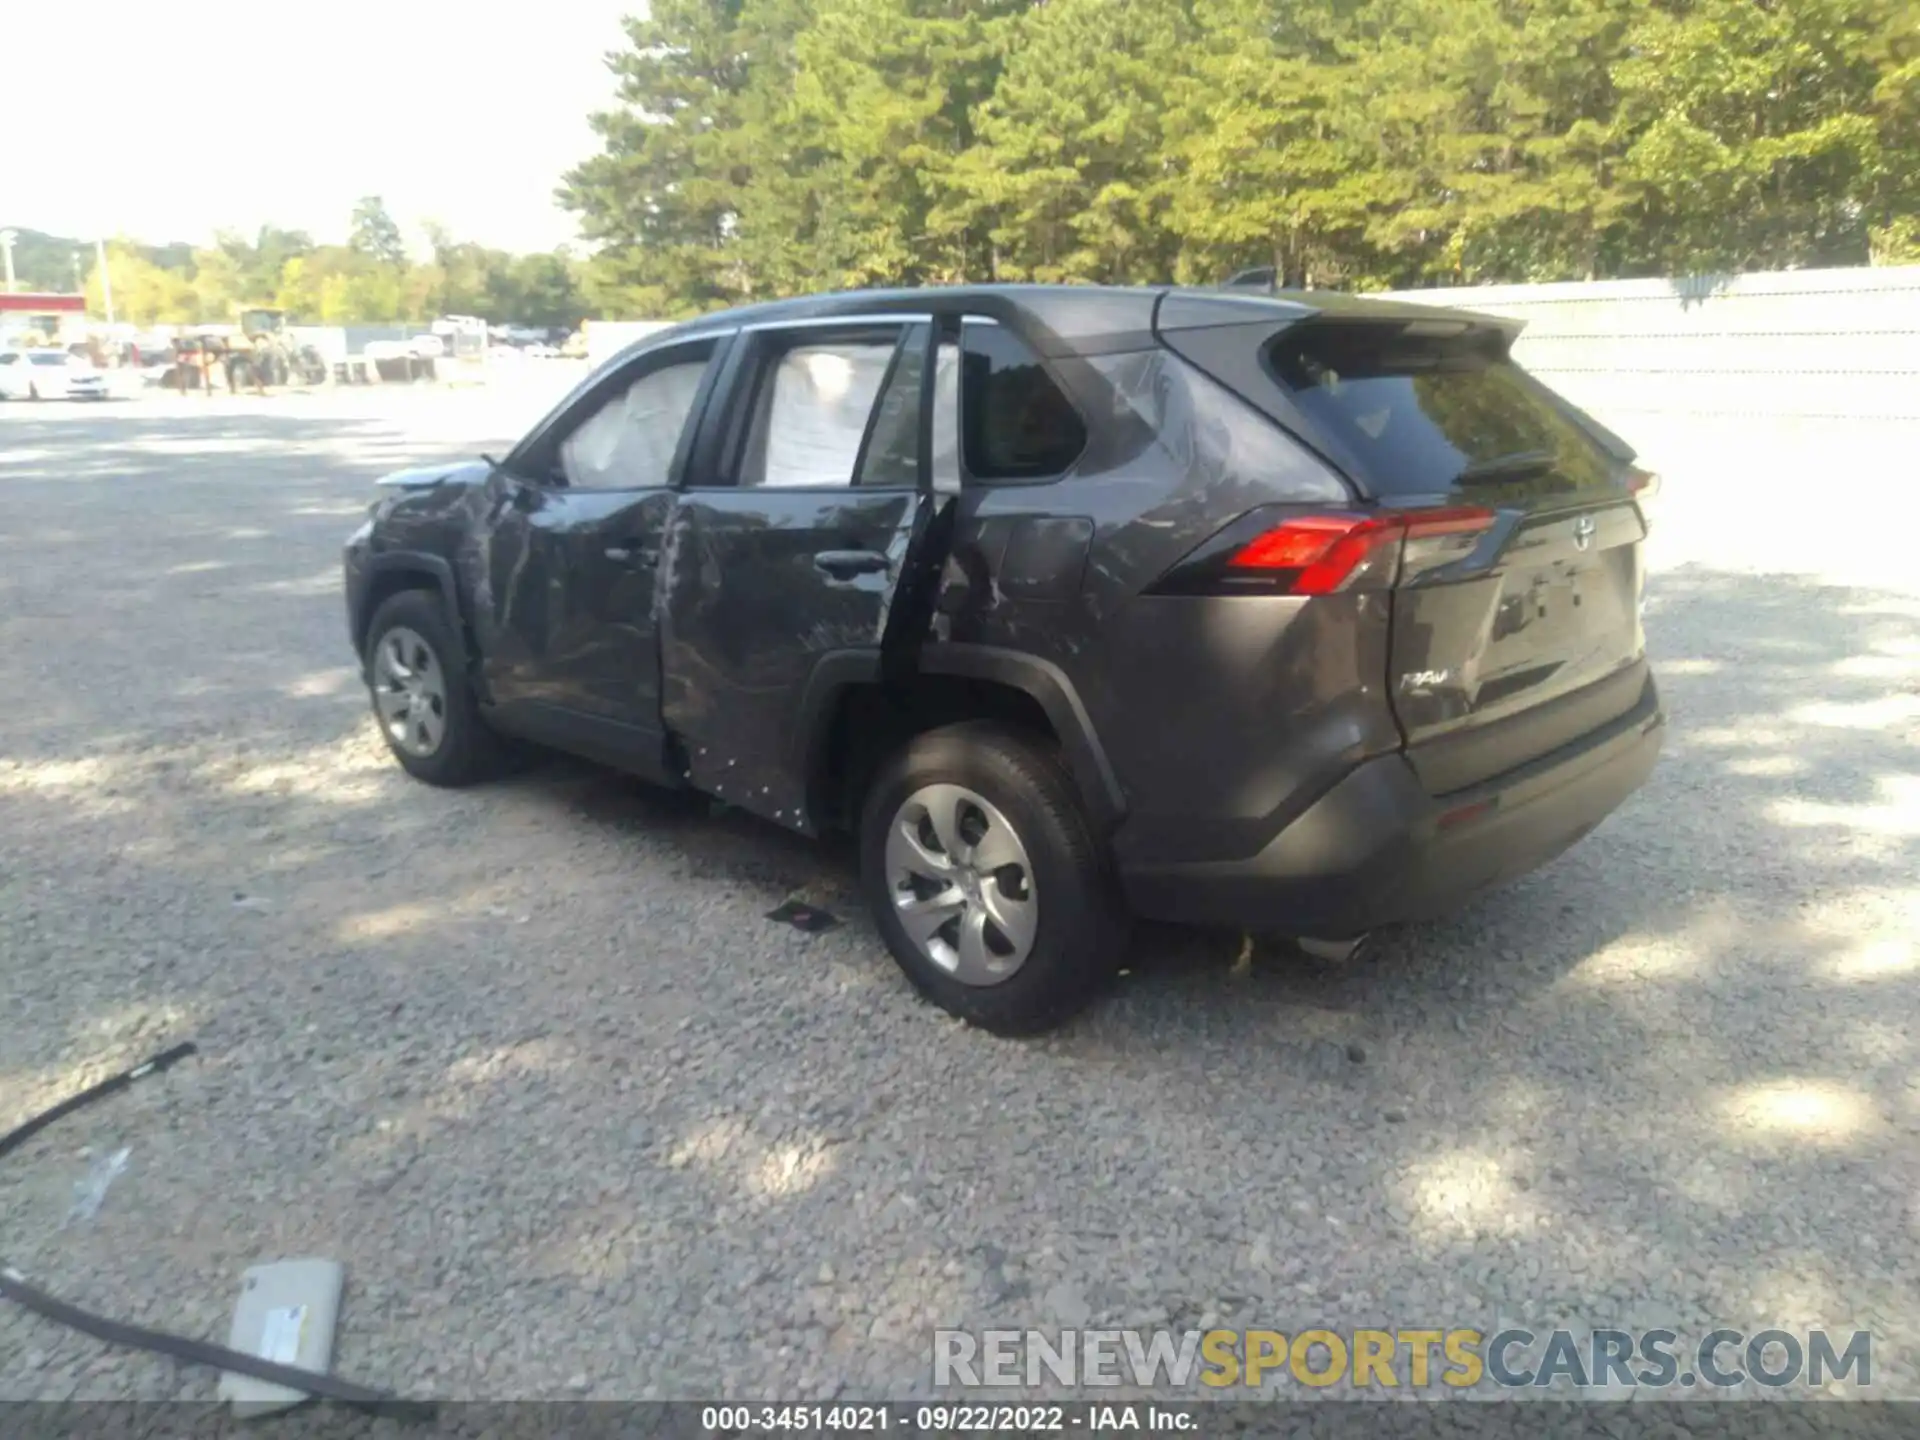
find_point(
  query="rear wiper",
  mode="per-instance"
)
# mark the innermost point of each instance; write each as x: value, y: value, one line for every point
x: 1516, y: 466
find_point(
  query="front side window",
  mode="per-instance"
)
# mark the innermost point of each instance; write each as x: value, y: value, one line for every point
x: 629, y: 442
x: 1017, y: 424
x: 49, y: 357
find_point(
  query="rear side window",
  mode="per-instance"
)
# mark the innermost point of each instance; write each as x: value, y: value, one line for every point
x: 49, y: 357
x: 892, y: 458
x: 1423, y: 413
x: 1015, y: 422
x: 812, y: 414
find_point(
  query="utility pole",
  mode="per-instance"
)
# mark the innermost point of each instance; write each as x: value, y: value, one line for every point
x: 106, y: 280
x: 7, y: 237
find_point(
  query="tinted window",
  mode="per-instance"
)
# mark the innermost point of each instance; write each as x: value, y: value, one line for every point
x: 892, y: 460
x: 811, y: 413
x: 1017, y: 424
x: 628, y: 443
x: 1420, y: 414
x: 47, y: 357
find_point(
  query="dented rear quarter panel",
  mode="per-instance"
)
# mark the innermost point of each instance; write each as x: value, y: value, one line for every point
x: 1220, y: 716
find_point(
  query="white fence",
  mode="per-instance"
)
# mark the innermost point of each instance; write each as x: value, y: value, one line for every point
x: 1785, y: 405
x: 1812, y: 345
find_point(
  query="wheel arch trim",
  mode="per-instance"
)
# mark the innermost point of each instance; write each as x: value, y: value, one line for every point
x: 1040, y: 680
x: 434, y: 568
x: 1050, y: 688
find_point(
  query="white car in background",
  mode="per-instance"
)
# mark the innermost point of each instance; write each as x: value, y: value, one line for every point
x: 49, y: 375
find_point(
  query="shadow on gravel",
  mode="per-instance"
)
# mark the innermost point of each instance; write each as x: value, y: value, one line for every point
x: 531, y: 1052
x: 1699, y: 1021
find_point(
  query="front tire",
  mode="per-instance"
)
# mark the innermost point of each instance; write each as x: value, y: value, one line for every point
x: 422, y: 702
x: 986, y: 879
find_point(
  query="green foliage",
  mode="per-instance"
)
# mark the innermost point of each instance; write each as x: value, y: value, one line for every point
x: 769, y: 147
x: 664, y: 182
x: 1765, y: 116
x: 882, y: 112
x: 143, y: 292
x: 375, y: 235
x: 58, y: 263
x: 370, y: 279
x: 1067, y: 170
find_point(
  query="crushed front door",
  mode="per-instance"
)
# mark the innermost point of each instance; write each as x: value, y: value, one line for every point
x: 808, y: 545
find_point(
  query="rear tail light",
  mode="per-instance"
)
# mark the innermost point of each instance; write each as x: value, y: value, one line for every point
x: 1320, y: 554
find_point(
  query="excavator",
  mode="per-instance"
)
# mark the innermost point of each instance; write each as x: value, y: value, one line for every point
x: 265, y: 353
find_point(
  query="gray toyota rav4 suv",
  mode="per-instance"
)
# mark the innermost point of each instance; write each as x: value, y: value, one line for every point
x: 1296, y: 612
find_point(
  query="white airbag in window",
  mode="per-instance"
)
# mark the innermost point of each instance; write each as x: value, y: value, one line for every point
x: 629, y: 442
x: 822, y: 396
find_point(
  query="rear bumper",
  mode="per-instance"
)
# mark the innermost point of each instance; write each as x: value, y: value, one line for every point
x: 1377, y: 848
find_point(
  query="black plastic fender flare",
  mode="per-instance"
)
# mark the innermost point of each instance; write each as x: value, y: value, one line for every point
x: 436, y: 568
x: 1040, y: 680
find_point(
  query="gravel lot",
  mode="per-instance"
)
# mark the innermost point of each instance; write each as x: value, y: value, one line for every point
x: 579, y: 1121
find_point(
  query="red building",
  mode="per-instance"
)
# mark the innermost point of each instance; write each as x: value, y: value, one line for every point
x: 60, y: 318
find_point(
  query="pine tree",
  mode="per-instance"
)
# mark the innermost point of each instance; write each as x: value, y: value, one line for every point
x: 774, y: 147
x: 1066, y: 180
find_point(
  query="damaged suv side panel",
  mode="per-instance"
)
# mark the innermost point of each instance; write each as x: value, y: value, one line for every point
x: 805, y: 501
x: 1292, y: 612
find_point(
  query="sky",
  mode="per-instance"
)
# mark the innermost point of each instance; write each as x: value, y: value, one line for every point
x: 464, y: 113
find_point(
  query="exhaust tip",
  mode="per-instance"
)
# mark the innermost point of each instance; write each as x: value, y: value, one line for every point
x: 1336, y: 951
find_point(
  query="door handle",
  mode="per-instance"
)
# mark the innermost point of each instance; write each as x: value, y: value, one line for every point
x: 845, y: 564
x: 639, y: 555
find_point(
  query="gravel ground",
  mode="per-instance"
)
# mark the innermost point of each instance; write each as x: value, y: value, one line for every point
x: 580, y: 1122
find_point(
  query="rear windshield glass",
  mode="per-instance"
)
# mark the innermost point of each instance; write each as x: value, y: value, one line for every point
x: 1419, y: 414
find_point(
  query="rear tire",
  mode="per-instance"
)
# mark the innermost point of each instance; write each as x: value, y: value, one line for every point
x: 422, y: 701
x: 1025, y: 854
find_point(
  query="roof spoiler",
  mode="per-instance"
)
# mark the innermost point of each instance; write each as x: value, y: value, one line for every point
x: 1334, y: 304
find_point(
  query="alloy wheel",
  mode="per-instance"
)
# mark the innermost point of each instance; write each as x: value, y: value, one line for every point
x: 410, y: 691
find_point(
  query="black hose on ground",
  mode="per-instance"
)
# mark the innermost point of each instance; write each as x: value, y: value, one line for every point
x: 14, y: 1287
x: 112, y: 1085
